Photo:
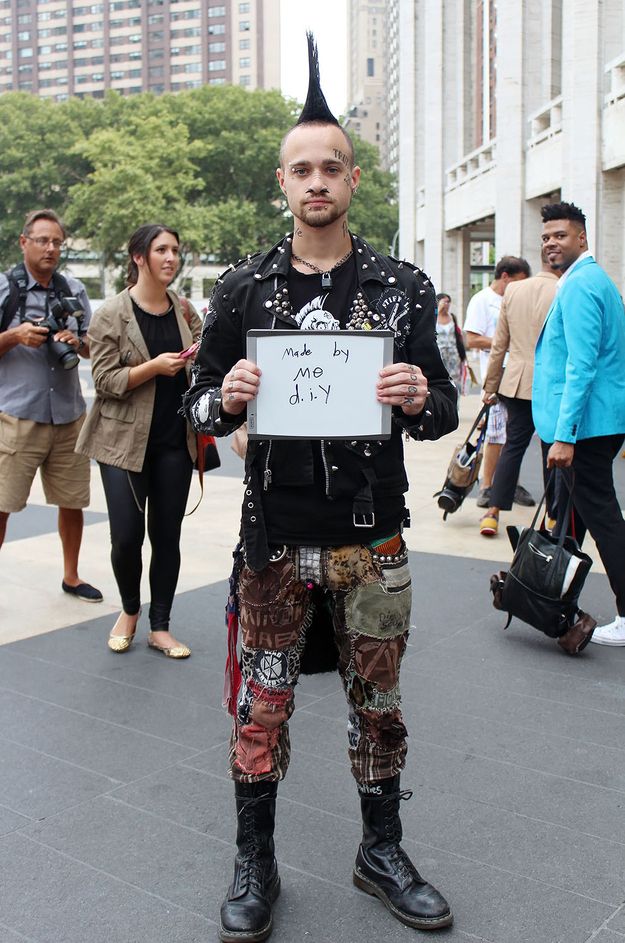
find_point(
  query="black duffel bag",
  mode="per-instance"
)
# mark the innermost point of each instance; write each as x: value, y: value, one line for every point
x: 543, y: 584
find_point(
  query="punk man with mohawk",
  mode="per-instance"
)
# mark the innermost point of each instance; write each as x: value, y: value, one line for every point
x: 322, y: 516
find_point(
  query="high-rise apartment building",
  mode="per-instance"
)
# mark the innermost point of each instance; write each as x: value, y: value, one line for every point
x: 58, y: 48
x: 368, y: 35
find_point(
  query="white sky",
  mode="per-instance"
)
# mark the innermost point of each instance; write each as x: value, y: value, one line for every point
x: 328, y: 21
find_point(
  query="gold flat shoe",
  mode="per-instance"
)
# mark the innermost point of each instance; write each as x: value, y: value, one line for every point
x: 176, y: 651
x: 120, y: 643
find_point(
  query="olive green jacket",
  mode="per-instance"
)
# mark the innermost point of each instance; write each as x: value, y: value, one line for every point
x: 117, y: 427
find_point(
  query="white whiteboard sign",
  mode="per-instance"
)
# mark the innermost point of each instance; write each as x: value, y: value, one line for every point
x: 319, y: 384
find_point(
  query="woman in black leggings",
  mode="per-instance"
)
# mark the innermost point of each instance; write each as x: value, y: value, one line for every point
x: 141, y: 342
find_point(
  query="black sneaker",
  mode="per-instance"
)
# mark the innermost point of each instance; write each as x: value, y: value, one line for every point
x: 523, y: 497
x: 483, y: 498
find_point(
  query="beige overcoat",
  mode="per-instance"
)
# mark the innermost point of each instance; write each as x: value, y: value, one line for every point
x: 117, y: 426
x: 523, y: 311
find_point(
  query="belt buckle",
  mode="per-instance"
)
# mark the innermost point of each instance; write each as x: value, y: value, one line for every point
x: 366, y: 519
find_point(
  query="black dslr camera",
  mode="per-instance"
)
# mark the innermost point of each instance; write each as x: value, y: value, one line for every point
x: 56, y: 320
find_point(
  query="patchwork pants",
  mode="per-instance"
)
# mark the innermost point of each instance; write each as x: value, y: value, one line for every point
x: 372, y: 600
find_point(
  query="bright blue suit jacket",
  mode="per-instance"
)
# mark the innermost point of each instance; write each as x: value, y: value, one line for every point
x: 579, y: 371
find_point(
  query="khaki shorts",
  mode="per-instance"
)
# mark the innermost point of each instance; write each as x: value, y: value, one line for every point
x: 26, y: 446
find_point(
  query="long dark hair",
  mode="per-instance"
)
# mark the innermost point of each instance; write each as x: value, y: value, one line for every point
x: 139, y: 244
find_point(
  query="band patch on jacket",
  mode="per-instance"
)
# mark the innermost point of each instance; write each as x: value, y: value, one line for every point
x: 393, y: 306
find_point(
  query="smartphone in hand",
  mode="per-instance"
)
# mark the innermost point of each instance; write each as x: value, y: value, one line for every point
x: 193, y: 349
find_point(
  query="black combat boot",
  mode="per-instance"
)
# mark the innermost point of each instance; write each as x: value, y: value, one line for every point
x: 384, y: 870
x: 246, y: 911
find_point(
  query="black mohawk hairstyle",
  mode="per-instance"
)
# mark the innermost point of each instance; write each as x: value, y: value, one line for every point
x: 315, y: 107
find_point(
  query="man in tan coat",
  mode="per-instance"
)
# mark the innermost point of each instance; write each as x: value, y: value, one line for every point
x: 523, y: 312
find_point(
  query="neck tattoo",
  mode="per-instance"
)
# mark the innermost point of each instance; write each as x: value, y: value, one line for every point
x: 326, y: 276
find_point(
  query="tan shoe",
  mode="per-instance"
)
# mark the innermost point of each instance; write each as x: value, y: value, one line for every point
x: 176, y: 651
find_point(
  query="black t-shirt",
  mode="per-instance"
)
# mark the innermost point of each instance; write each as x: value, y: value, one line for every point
x: 162, y: 335
x: 304, y: 515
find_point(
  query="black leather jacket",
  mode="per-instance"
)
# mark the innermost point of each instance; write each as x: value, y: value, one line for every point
x: 254, y: 295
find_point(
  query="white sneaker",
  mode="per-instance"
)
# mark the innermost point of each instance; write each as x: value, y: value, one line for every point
x: 612, y: 634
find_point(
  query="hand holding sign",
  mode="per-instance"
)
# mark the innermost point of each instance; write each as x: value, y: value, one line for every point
x: 402, y: 384
x: 239, y: 387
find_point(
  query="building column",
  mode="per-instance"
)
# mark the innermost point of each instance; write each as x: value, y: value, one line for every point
x: 433, y: 110
x: 581, y: 109
x: 408, y: 133
x: 511, y: 132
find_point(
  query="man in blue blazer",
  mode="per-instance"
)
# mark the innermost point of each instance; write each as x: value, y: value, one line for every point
x: 578, y: 396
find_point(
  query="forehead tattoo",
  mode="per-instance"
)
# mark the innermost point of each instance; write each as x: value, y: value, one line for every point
x: 341, y: 156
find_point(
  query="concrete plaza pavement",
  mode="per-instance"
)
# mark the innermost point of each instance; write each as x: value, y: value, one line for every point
x: 116, y: 812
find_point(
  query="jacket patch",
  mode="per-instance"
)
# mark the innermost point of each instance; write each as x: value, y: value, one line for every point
x: 393, y: 306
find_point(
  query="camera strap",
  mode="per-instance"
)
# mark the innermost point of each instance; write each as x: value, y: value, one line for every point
x: 15, y: 301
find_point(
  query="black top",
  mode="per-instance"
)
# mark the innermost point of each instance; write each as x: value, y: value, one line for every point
x: 162, y: 335
x: 301, y: 515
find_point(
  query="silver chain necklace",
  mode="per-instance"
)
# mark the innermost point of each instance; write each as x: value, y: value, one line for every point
x: 326, y: 276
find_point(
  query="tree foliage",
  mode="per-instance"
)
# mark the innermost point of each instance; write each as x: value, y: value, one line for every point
x: 202, y: 161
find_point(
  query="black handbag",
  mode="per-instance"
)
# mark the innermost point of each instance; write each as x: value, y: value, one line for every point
x: 543, y: 584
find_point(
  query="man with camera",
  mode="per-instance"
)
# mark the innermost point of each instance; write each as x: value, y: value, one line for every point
x: 43, y: 332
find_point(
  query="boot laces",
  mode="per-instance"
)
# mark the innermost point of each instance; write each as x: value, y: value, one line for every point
x: 252, y: 866
x: 403, y: 866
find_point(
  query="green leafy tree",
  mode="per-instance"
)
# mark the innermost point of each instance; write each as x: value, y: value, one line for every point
x: 139, y: 173
x: 374, y: 214
x: 202, y: 161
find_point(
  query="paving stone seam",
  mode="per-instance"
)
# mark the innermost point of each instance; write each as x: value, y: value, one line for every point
x: 127, y: 684
x: 27, y: 939
x: 136, y: 887
x: 413, y: 667
x: 606, y: 686
x: 604, y: 926
x: 60, y: 759
x: 109, y: 723
x: 491, y: 759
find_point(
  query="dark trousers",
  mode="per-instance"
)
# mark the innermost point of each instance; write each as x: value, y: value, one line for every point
x: 596, y: 507
x: 162, y: 484
x: 519, y: 430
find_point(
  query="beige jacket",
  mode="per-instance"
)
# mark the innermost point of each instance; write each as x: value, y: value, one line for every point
x: 523, y: 312
x: 117, y: 427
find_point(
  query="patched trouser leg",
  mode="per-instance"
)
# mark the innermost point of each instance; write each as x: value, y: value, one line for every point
x: 372, y: 617
x: 274, y: 611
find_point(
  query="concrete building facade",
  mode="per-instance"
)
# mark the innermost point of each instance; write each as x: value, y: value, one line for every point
x: 505, y: 105
x: 59, y: 48
x: 369, y: 42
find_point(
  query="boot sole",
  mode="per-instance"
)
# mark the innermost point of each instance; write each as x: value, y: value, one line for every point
x: 252, y: 936
x: 418, y: 923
